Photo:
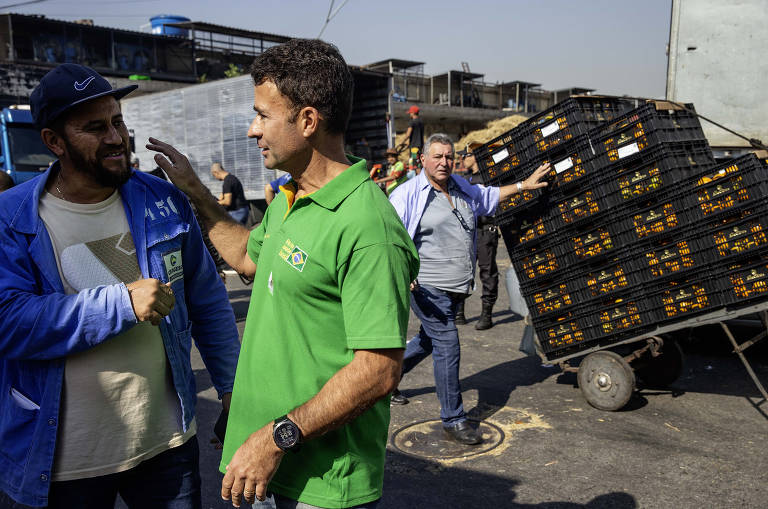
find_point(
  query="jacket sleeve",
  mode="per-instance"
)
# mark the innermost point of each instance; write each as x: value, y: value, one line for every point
x: 37, y: 324
x: 213, y: 321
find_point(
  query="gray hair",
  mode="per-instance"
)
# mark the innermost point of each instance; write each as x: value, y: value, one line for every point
x: 441, y: 138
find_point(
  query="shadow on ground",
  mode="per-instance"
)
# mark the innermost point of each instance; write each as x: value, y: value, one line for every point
x: 411, y: 482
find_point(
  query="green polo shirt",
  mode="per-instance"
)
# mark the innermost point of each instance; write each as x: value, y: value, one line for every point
x: 333, y: 275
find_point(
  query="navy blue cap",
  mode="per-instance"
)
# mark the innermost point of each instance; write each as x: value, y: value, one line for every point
x: 66, y: 86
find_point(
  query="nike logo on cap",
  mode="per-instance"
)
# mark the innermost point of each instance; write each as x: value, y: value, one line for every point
x: 81, y: 86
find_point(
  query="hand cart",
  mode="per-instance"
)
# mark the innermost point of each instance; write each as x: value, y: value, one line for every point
x: 607, y: 379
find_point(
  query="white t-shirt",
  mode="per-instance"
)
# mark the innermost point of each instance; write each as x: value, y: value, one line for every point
x: 118, y: 405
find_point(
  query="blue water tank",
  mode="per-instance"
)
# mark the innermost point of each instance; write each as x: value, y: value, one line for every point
x: 160, y: 21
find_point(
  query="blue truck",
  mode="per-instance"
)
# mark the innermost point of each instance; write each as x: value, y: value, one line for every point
x: 23, y: 154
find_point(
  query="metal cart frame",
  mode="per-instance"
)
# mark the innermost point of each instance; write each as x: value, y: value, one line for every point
x: 607, y: 379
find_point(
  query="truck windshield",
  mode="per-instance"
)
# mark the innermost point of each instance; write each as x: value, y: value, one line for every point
x: 28, y: 152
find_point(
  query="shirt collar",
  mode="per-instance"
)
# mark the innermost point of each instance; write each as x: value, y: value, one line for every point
x: 334, y: 192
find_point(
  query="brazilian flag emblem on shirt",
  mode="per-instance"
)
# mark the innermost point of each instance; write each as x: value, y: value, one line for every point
x: 297, y: 259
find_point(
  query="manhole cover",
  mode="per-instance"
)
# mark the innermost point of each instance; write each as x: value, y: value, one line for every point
x: 426, y: 439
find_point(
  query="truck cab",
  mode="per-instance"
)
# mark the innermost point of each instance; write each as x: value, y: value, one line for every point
x: 23, y: 154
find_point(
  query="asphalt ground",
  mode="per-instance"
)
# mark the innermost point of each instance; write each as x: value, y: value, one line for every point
x: 701, y: 443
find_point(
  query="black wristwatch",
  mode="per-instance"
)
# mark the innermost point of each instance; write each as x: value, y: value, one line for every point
x: 286, y: 434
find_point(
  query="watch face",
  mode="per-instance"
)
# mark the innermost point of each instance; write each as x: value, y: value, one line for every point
x: 286, y: 435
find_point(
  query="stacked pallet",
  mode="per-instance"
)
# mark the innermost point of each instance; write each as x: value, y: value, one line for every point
x: 639, y: 226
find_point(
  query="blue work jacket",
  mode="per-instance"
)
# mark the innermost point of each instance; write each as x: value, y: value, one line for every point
x: 40, y: 325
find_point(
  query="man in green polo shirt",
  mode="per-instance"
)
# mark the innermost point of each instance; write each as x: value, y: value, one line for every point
x: 332, y: 263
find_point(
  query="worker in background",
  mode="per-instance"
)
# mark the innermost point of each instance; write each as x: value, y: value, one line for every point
x: 273, y: 188
x: 135, y: 163
x: 487, y: 245
x: 232, y: 196
x: 415, y: 132
x: 395, y: 174
x: 438, y: 210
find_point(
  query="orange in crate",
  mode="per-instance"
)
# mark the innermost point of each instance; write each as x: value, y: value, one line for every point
x: 564, y: 333
x: 592, y: 243
x: 515, y: 200
x: 680, y: 300
x: 669, y: 260
x: 655, y: 221
x: 539, y: 263
x: 543, y: 136
x: 639, y: 182
x: 626, y: 143
x: 552, y: 299
x: 578, y: 207
x: 568, y: 169
x: 607, y: 281
x: 749, y: 283
x: 740, y: 238
x: 532, y: 231
x: 623, y: 316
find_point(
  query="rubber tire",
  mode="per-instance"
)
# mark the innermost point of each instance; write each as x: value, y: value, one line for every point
x: 617, y: 393
x: 661, y: 371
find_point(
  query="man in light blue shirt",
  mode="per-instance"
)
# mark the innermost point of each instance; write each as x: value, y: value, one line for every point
x: 440, y: 213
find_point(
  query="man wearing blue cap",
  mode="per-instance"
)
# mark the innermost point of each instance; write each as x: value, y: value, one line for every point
x: 102, y: 270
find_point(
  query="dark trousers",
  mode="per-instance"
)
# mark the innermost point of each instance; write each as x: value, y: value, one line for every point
x: 487, y: 244
x: 170, y: 480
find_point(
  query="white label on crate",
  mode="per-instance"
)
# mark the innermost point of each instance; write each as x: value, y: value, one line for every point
x: 550, y: 129
x: 563, y: 165
x: 628, y: 150
x: 500, y: 156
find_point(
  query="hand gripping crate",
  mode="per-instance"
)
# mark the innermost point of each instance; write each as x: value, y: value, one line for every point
x: 644, y: 128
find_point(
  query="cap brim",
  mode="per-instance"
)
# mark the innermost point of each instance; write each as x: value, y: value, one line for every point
x: 117, y: 93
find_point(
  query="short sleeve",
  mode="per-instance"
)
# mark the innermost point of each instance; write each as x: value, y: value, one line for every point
x: 226, y: 187
x: 375, y: 296
x: 255, y: 241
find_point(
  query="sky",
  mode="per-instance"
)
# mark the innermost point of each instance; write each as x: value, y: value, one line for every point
x: 617, y: 47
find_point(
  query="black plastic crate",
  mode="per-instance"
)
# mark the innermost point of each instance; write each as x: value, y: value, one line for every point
x: 607, y: 276
x: 729, y: 186
x: 562, y: 330
x: 643, y: 128
x: 537, y: 263
x: 741, y: 233
x: 744, y: 282
x: 523, y: 230
x: 513, y: 206
x: 619, y: 316
x: 567, y: 120
x: 566, y: 210
x: 551, y: 296
x: 672, y: 255
x: 658, y: 168
x: 502, y: 157
x: 668, y: 211
x: 588, y: 241
x: 679, y: 299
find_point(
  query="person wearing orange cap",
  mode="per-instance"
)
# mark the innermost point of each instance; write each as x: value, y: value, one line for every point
x: 415, y: 132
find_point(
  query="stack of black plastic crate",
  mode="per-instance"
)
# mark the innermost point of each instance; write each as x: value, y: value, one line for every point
x: 638, y: 226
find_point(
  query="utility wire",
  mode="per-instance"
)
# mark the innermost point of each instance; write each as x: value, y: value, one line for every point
x: 331, y: 14
x: 19, y: 4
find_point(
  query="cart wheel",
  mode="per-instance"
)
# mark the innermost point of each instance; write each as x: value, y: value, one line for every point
x: 662, y: 370
x: 606, y: 380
